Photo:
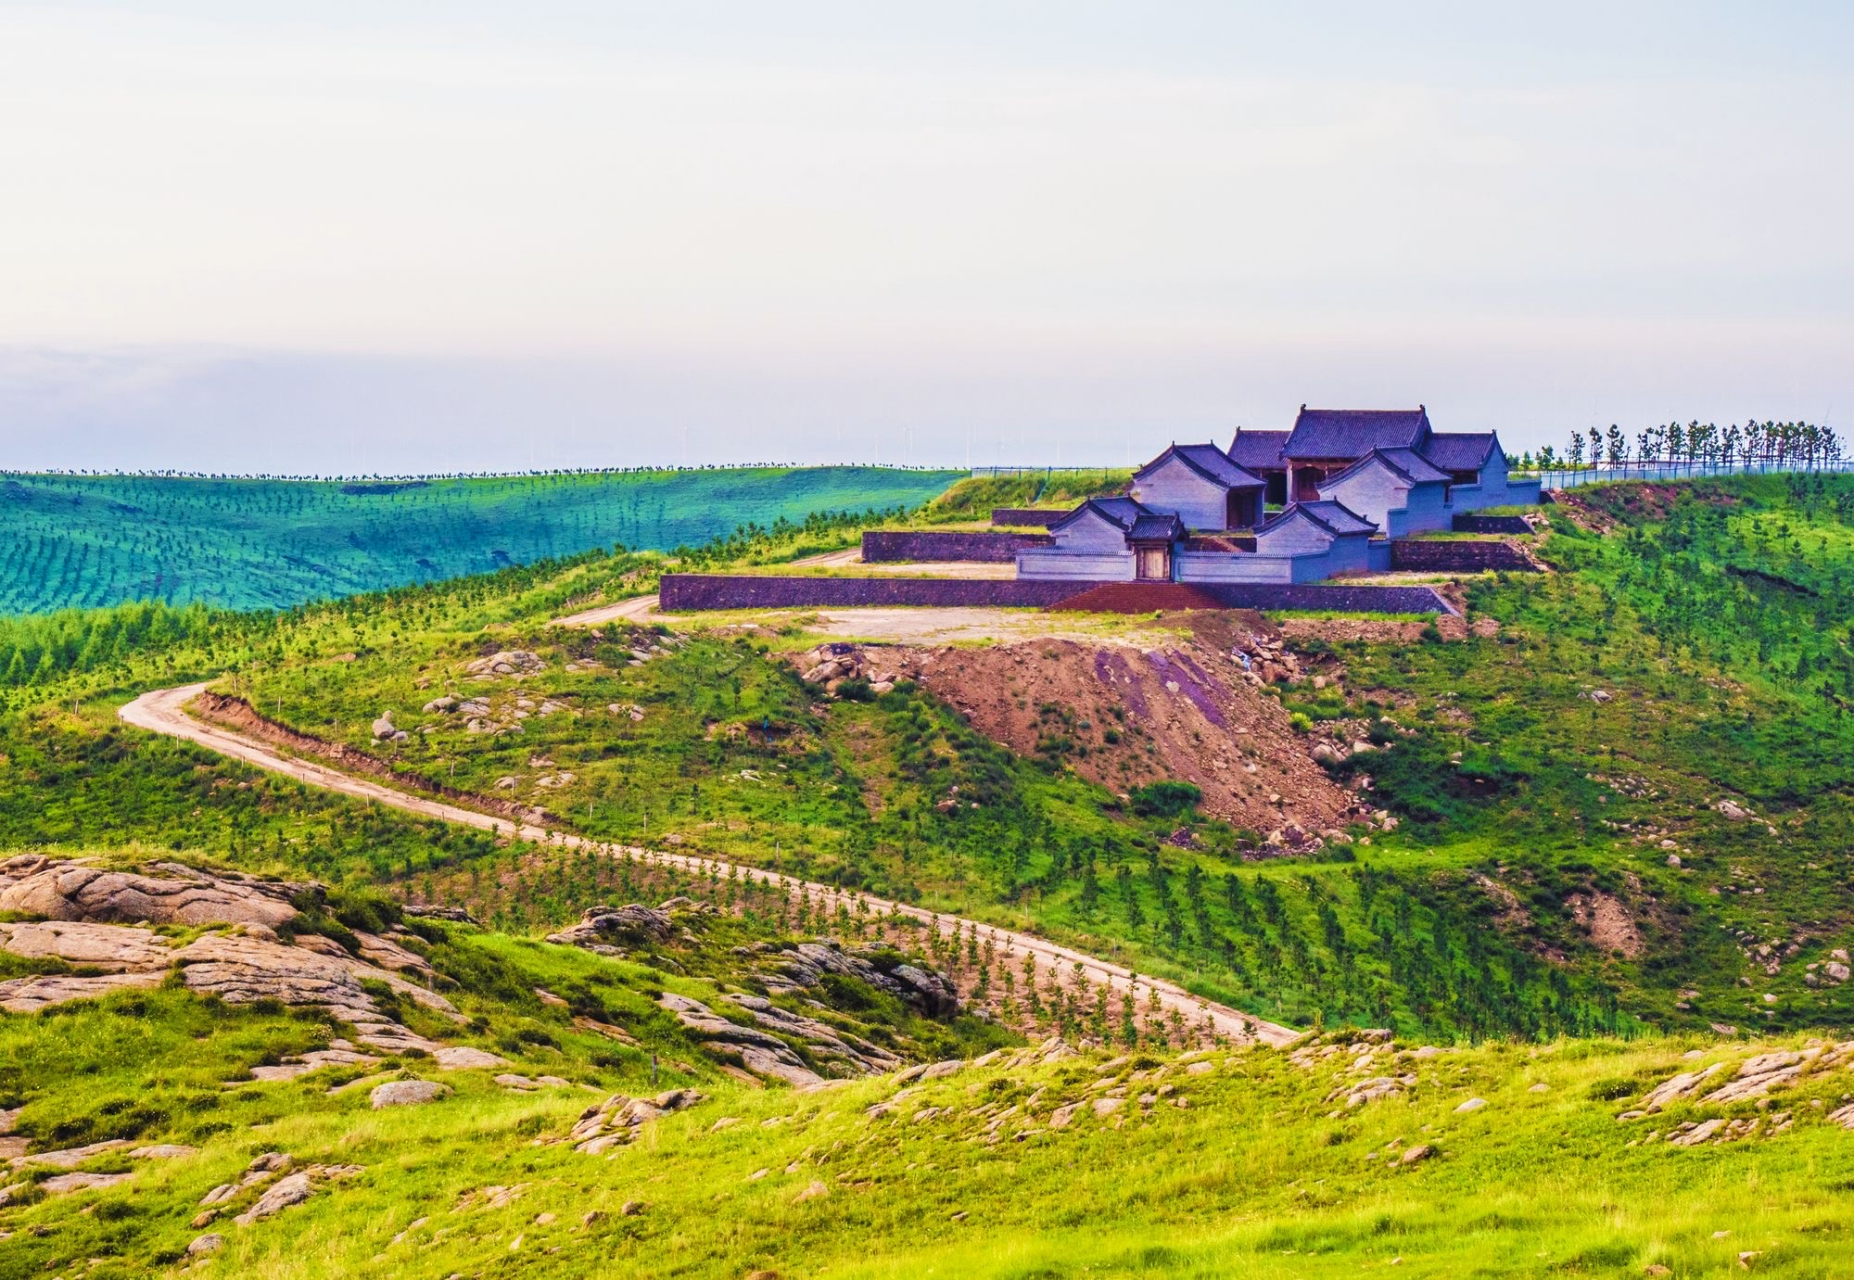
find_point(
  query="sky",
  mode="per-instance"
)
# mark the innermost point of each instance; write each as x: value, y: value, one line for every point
x: 405, y: 237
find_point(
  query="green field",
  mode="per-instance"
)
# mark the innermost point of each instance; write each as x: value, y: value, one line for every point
x: 87, y: 541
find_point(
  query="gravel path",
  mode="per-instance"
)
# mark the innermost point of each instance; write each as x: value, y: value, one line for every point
x: 164, y: 711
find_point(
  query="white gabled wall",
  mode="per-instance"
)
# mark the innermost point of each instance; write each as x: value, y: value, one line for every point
x: 1233, y: 566
x: 1091, y: 533
x: 1175, y: 489
x: 1045, y: 562
x: 1296, y: 535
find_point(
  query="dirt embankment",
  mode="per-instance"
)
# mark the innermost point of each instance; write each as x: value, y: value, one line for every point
x: 1125, y: 716
x: 236, y: 713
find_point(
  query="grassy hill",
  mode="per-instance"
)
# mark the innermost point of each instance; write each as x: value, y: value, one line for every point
x: 87, y: 541
x: 1344, y: 1154
x: 1622, y: 853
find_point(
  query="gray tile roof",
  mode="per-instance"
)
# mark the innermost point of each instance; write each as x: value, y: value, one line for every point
x: 1460, y: 450
x: 1334, y: 517
x: 1352, y: 433
x: 1208, y: 461
x: 1121, y: 512
x: 1252, y: 449
x: 1156, y: 527
x: 1404, y: 462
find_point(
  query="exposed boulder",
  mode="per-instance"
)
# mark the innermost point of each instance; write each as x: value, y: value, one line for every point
x: 406, y: 1093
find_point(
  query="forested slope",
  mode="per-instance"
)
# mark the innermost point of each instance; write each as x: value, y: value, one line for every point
x: 86, y: 541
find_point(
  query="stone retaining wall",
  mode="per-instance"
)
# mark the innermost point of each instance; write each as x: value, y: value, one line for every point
x: 695, y: 591
x: 683, y: 591
x: 1031, y: 517
x: 983, y: 548
x: 1459, y: 557
x: 1465, y: 523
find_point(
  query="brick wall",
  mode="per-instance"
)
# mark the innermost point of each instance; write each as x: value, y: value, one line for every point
x: 1459, y: 557
x: 985, y: 548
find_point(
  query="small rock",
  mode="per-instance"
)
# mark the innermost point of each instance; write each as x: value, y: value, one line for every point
x: 1417, y: 1154
x: 632, y: 1208
x: 1472, y: 1104
x: 203, y: 1245
x: 815, y: 1191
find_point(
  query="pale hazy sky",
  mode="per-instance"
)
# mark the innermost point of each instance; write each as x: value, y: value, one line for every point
x: 383, y: 237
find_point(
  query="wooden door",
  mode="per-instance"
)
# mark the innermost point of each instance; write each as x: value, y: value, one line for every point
x: 1153, y: 564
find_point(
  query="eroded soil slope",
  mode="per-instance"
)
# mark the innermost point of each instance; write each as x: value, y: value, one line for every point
x: 1125, y: 715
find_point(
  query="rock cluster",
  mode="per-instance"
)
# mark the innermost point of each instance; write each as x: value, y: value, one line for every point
x: 830, y: 665
x: 1755, y: 1078
x: 506, y: 662
x: 615, y: 1121
x: 1267, y: 661
x: 281, y: 1189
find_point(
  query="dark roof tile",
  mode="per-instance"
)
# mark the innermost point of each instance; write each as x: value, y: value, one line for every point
x: 1252, y: 449
x: 1460, y: 450
x: 1352, y: 433
x: 1334, y: 517
x: 1208, y: 461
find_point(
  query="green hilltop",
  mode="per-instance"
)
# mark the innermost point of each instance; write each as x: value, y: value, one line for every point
x: 69, y: 541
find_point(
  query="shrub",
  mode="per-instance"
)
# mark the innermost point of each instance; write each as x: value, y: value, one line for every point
x: 1168, y: 799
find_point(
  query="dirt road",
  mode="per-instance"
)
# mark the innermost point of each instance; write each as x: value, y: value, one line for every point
x: 164, y: 711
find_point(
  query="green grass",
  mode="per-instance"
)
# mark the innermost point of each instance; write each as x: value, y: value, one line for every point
x: 90, y: 541
x: 1262, y: 1173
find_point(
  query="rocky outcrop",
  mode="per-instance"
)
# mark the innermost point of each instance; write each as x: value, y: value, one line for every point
x: 165, y: 893
x: 86, y: 945
x: 243, y: 969
x: 615, y: 930
x: 615, y: 1121
x: 294, y: 1189
x: 240, y: 967
x: 760, y: 1052
x: 804, y: 966
x: 29, y: 995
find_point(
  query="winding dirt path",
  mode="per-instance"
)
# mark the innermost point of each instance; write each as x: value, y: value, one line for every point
x: 164, y: 711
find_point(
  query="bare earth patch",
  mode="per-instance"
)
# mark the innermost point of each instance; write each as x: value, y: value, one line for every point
x: 1179, y: 707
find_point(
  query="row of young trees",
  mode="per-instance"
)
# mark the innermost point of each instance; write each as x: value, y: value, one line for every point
x: 1698, y: 447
